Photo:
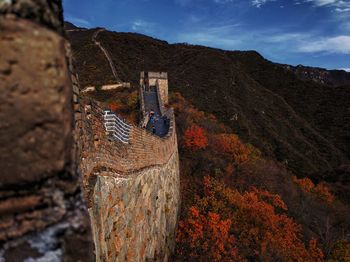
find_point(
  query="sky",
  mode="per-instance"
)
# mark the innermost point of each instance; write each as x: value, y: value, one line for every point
x: 307, y: 32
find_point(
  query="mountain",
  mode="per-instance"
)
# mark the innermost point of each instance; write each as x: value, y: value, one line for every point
x: 303, y: 124
x: 69, y: 26
x: 320, y: 75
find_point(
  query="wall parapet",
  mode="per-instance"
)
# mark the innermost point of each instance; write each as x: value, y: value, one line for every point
x: 144, y: 149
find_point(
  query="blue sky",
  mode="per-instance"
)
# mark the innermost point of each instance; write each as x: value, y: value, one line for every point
x: 308, y: 32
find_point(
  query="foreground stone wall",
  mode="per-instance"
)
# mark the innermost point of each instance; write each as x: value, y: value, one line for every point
x: 42, y: 213
x: 135, y: 216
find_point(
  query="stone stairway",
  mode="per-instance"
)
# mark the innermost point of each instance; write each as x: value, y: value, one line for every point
x: 160, y: 122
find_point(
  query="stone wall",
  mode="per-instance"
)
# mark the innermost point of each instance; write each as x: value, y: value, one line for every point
x: 132, y: 189
x: 42, y: 213
x: 159, y: 79
x: 135, y: 216
x: 163, y: 89
x: 144, y: 149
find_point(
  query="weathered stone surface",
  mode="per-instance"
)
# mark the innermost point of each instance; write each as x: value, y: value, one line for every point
x: 35, y: 103
x: 135, y: 217
x: 42, y: 215
x: 45, y: 12
x: 68, y: 240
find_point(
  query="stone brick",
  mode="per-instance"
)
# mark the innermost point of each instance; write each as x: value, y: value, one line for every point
x: 44, y: 12
x: 35, y: 102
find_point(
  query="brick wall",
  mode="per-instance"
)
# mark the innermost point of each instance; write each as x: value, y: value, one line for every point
x: 135, y: 216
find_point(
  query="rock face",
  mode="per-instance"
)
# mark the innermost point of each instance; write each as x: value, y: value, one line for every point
x: 48, y: 13
x: 42, y: 215
x: 35, y: 103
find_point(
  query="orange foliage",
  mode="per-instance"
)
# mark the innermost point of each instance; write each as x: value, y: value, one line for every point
x: 323, y: 192
x: 114, y: 106
x: 230, y: 146
x: 320, y: 190
x: 262, y: 229
x: 229, y: 169
x: 206, y: 238
x: 195, y: 138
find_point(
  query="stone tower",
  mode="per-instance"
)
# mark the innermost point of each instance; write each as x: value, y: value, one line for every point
x: 157, y: 79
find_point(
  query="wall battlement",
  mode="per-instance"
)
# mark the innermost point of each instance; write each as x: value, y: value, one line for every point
x: 158, y: 79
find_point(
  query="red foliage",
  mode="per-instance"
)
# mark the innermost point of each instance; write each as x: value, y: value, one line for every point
x: 206, y: 238
x: 195, y: 138
x: 261, y: 227
x: 230, y: 146
x: 320, y: 190
x: 115, y: 107
x: 323, y: 192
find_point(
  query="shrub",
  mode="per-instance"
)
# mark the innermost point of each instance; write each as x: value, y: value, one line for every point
x: 231, y: 147
x: 320, y: 190
x: 195, y: 138
x: 255, y: 223
x: 206, y: 237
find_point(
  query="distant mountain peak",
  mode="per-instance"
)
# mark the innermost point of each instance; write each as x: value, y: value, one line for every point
x: 70, y: 26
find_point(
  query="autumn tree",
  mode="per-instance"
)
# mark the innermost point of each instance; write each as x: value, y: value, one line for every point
x: 115, y: 106
x: 195, y: 138
x: 206, y: 238
x: 319, y: 190
x: 231, y: 147
x: 259, y: 222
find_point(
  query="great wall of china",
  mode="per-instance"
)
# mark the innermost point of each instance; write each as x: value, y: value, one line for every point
x: 65, y: 179
x: 132, y: 188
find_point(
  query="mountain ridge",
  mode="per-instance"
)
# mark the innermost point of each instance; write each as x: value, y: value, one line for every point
x: 286, y: 125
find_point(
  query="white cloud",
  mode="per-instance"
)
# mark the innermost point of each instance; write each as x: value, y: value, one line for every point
x: 285, y: 37
x: 259, y: 3
x: 77, y: 21
x: 338, y: 5
x: 142, y: 26
x: 216, y: 36
x: 345, y: 69
x: 309, y: 43
x: 339, y: 44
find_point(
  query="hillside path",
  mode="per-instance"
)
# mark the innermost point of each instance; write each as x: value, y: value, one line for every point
x: 94, y: 39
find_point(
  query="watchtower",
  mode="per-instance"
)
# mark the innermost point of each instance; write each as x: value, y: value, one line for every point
x: 156, y: 79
